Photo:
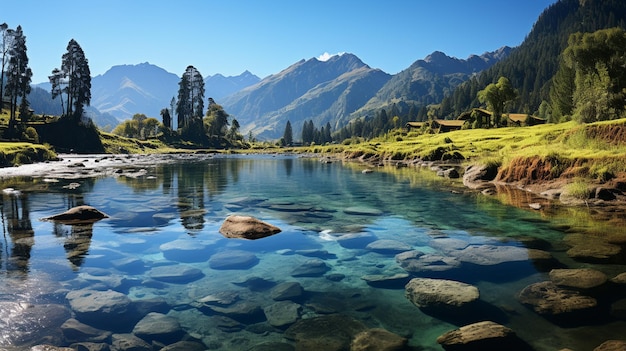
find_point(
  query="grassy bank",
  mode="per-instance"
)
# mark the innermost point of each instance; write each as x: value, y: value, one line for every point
x: 17, y: 153
x: 595, y: 150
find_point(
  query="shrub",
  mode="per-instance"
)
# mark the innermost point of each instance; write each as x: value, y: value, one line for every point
x: 579, y: 189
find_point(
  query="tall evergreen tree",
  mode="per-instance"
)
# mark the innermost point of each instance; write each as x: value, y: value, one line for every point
x: 5, y: 45
x: 216, y: 122
x: 75, y: 69
x: 167, y: 119
x: 190, y: 97
x: 18, y: 75
x: 57, y: 83
x: 288, y: 134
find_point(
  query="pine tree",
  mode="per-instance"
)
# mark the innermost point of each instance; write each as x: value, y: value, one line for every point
x: 190, y: 97
x: 167, y: 119
x: 18, y: 75
x: 288, y: 134
x: 75, y: 66
x: 5, y: 46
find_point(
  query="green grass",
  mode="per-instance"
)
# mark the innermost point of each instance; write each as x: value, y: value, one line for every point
x: 17, y: 153
x: 568, y: 142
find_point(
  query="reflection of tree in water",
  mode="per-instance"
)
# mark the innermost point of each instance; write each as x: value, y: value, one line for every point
x: 196, y: 180
x: 77, y: 236
x: 16, y: 222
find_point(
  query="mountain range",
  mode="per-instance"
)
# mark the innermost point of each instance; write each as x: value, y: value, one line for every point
x: 333, y: 91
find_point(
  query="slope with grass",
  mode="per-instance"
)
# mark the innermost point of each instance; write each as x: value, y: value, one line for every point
x: 536, y: 158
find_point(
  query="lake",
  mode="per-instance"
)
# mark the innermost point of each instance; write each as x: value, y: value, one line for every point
x: 350, y: 242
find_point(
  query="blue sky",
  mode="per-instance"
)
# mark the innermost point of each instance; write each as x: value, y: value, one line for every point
x: 264, y: 37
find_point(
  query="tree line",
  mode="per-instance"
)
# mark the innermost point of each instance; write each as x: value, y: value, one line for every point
x: 71, y: 86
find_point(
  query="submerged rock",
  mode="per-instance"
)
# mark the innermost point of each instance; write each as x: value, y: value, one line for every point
x: 587, y: 248
x: 246, y: 227
x: 282, y: 313
x: 330, y: 333
x: 388, y: 246
x: 129, y: 342
x: 179, y: 274
x: 482, y: 336
x: 440, y: 293
x: 582, y: 278
x: 75, y: 331
x: 78, y: 214
x: 287, y: 291
x: 547, y: 299
x: 418, y: 262
x: 158, y: 327
x: 99, y: 308
x: 233, y: 259
x: 311, y: 268
x: 612, y: 345
x: 386, y: 281
x: 490, y: 255
x: 378, y: 339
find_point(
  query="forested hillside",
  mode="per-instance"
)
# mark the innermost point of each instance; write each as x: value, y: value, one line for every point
x: 531, y: 66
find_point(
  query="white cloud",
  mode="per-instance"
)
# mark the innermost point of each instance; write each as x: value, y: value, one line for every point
x: 326, y: 56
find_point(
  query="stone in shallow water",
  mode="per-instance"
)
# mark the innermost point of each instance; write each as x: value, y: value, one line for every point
x: 490, y: 255
x: 129, y: 342
x: 184, y: 250
x: 233, y: 259
x: 388, y: 246
x: 612, y: 345
x: 78, y: 214
x: 484, y: 335
x: 386, y: 281
x: 247, y: 227
x: 356, y: 240
x: 282, y: 313
x: 158, y: 327
x: 547, y: 299
x: 179, y: 274
x: 448, y: 244
x: 75, y: 331
x: 311, y: 268
x: 619, y: 279
x: 330, y: 333
x: 287, y: 291
x: 243, y: 311
x: 418, y: 262
x: 588, y: 248
x: 582, y: 278
x: 378, y: 339
x: 99, y: 308
x: 440, y: 293
x: 256, y: 283
x: 223, y: 298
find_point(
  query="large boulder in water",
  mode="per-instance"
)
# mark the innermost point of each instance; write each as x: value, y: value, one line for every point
x: 549, y: 300
x: 79, y: 214
x: 427, y: 293
x: 482, y: 336
x: 247, y: 227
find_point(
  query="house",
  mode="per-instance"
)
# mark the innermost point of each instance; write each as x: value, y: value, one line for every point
x: 512, y: 119
x: 522, y: 119
x: 442, y: 125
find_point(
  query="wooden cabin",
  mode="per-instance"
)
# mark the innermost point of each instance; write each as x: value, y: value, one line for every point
x: 442, y: 125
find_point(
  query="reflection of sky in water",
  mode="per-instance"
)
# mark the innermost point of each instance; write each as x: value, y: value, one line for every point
x: 171, y: 217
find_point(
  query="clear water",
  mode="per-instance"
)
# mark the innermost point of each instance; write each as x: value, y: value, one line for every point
x: 313, y: 203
